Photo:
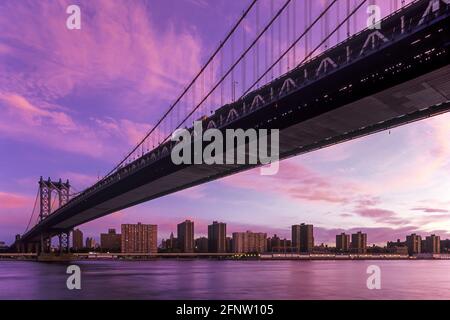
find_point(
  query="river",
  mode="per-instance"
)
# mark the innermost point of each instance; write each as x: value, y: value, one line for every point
x: 213, y: 279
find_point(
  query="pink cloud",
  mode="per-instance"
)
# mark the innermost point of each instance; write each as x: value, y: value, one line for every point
x: 299, y: 182
x: 375, y: 213
x: 431, y: 138
x: 14, y: 201
x: 119, y: 45
x: 15, y: 210
x: 104, y: 50
x: 95, y: 138
x: 429, y: 210
x: 34, y: 115
x: 381, y: 216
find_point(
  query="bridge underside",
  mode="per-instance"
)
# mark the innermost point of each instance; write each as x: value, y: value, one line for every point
x: 418, y: 89
x: 393, y: 107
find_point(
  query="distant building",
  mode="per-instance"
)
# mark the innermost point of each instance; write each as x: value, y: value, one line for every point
x: 275, y: 244
x: 3, y: 246
x: 295, y: 236
x: 432, y: 244
x: 201, y: 245
x: 359, y: 242
x: 402, y: 250
x: 306, y: 238
x: 302, y: 237
x: 398, y: 243
x: 139, y: 238
x: 323, y: 248
x: 77, y: 239
x: 110, y: 241
x: 185, y: 234
x: 342, y: 242
x: 90, y: 243
x: 162, y: 246
x: 217, y: 234
x: 414, y: 244
x: 397, y: 247
x: 172, y: 244
x: 229, y: 244
x: 249, y: 242
x: 445, y: 246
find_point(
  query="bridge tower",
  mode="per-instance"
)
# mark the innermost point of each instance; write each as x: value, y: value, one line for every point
x: 49, y: 189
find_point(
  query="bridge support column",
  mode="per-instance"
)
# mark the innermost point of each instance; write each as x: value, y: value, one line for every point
x: 46, y: 242
x: 64, y: 238
x: 30, y: 247
x: 21, y: 248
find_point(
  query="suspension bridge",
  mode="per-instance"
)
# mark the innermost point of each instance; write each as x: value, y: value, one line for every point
x: 316, y: 70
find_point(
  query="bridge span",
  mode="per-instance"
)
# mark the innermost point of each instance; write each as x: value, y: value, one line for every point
x: 373, y: 81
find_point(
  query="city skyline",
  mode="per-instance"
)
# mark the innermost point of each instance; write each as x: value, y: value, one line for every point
x: 362, y: 183
x: 356, y: 242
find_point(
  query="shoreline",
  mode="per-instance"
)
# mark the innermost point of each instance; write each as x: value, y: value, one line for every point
x: 218, y: 257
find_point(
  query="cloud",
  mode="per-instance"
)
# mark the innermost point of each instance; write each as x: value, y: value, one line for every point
x: 15, y: 210
x: 117, y: 42
x: 51, y: 77
x: 79, y: 181
x: 99, y: 138
x: 429, y: 210
x: 200, y: 3
x: 24, y: 121
x: 375, y: 213
x: 14, y: 201
x: 297, y: 182
x: 33, y: 115
x: 381, y: 216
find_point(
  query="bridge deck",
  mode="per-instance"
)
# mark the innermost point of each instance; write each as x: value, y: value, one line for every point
x: 405, y: 79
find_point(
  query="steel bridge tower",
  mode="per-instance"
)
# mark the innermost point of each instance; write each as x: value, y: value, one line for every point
x: 49, y: 189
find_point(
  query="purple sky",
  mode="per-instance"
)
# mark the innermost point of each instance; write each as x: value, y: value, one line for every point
x: 73, y: 102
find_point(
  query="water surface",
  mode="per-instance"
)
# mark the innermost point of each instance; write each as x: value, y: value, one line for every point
x: 210, y: 279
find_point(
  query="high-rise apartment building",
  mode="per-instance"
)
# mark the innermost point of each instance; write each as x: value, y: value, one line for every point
x: 139, y: 238
x: 77, y: 239
x: 249, y: 242
x: 185, y: 235
x: 414, y: 244
x: 359, y: 242
x: 306, y: 238
x: 302, y: 238
x: 217, y: 235
x: 433, y: 244
x: 342, y: 242
x: 110, y: 241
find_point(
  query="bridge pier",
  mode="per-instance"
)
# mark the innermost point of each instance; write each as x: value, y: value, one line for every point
x: 64, y: 242
x: 46, y: 242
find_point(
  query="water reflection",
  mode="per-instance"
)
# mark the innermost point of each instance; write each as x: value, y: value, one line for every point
x: 210, y: 279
